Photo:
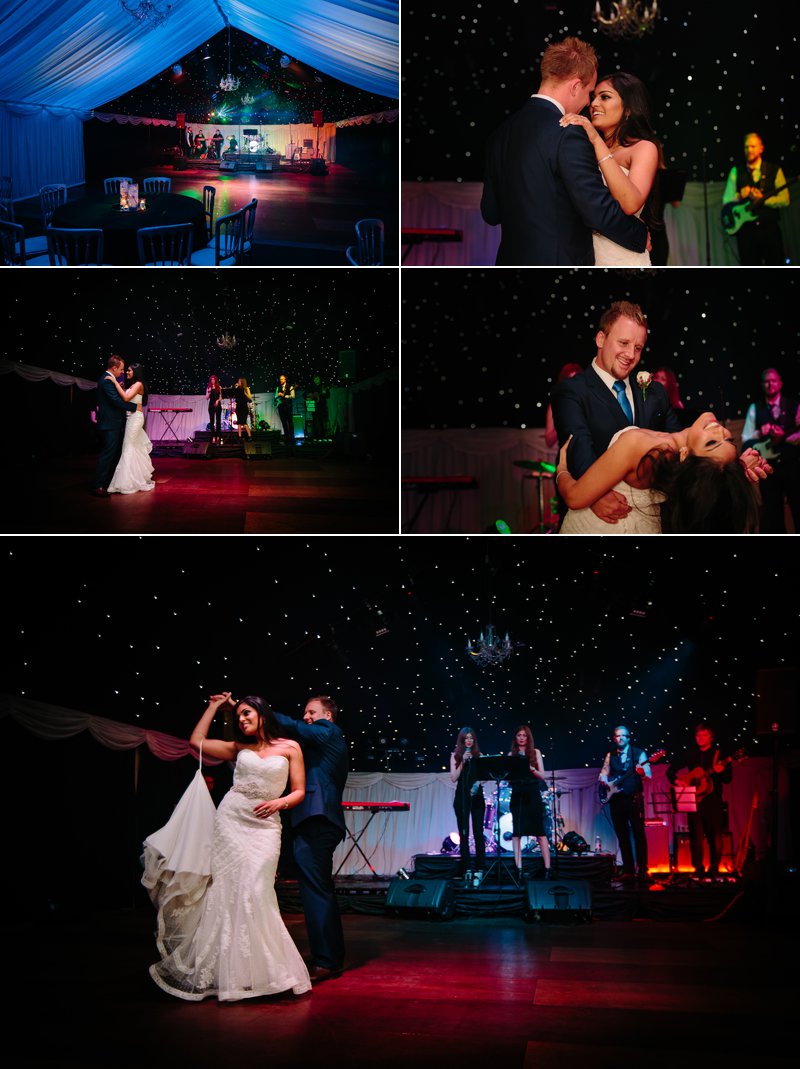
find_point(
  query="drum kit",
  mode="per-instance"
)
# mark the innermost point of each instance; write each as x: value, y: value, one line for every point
x: 229, y: 421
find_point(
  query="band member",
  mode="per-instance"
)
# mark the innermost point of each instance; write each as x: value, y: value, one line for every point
x: 762, y: 184
x: 188, y: 147
x: 233, y: 144
x: 217, y: 142
x: 319, y: 394
x: 284, y: 395
x: 707, y: 771
x: 527, y: 804
x: 468, y: 801
x: 242, y: 399
x: 214, y: 399
x: 623, y: 772
x: 199, y: 144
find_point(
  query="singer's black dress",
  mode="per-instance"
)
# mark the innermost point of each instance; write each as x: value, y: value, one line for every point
x: 527, y: 808
x: 215, y: 411
x: 466, y: 805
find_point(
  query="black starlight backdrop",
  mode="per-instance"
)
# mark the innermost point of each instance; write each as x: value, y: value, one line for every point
x: 633, y: 631
x: 715, y: 72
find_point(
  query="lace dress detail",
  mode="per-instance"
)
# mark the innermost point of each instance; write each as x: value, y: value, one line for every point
x: 135, y: 470
x: 220, y: 932
x: 644, y: 517
x: 608, y: 254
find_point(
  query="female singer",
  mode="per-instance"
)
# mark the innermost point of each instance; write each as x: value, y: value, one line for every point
x: 242, y: 395
x: 527, y: 806
x: 214, y: 399
x: 468, y: 800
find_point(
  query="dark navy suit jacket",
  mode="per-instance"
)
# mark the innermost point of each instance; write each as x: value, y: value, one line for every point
x: 543, y: 186
x: 326, y: 760
x: 111, y: 408
x: 585, y: 408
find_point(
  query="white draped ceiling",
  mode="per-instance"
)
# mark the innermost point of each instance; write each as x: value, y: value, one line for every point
x: 62, y: 58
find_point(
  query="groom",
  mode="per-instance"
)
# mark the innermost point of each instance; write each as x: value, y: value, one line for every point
x: 593, y: 406
x: 111, y: 425
x: 543, y: 185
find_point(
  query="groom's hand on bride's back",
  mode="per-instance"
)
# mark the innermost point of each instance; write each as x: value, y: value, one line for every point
x: 611, y: 507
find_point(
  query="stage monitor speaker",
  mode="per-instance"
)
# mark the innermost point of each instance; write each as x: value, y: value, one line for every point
x: 347, y: 364
x: 317, y: 119
x: 227, y: 165
x: 421, y: 898
x: 556, y: 899
x: 263, y: 167
x: 196, y: 449
x: 180, y: 164
x: 317, y: 166
x: 257, y: 450
x: 776, y: 701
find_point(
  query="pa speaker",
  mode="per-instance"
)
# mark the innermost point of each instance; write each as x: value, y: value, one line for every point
x: 317, y: 119
x: 196, y: 449
x: 776, y: 701
x: 556, y: 899
x: 227, y: 165
x: 421, y: 898
x: 257, y: 450
x: 317, y: 166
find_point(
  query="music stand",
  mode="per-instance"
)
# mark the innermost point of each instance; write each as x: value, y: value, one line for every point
x: 502, y: 769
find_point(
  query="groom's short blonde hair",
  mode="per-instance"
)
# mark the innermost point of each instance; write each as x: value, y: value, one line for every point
x: 570, y: 58
x: 620, y: 310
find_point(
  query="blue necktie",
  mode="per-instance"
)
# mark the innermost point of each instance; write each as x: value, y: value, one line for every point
x: 624, y: 404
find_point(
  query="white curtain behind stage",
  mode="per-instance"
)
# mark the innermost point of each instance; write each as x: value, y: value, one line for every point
x: 393, y: 838
x: 456, y: 205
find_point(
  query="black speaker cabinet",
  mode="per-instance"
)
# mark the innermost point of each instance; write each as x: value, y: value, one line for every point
x: 421, y: 898
x: 257, y: 450
x: 227, y: 165
x: 317, y: 166
x: 556, y: 899
x: 776, y: 701
x: 196, y: 449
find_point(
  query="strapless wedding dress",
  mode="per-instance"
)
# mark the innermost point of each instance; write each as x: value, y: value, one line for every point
x: 135, y: 470
x: 608, y: 254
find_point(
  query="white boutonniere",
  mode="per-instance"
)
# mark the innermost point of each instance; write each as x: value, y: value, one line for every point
x: 643, y: 380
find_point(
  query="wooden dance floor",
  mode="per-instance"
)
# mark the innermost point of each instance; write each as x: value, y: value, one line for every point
x: 471, y: 993
x: 193, y: 496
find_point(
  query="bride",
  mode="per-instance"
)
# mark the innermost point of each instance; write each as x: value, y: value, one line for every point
x: 622, y: 136
x: 687, y: 482
x: 226, y: 937
x: 134, y: 470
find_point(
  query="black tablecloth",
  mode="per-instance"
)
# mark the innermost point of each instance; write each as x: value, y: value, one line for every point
x: 119, y: 228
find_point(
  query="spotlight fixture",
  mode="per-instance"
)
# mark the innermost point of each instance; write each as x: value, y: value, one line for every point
x: 574, y: 843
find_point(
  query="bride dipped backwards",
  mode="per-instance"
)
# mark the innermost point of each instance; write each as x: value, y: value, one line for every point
x: 227, y: 938
x: 685, y: 482
x: 134, y: 470
x: 625, y: 145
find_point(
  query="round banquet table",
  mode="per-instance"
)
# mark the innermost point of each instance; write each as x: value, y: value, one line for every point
x: 119, y: 228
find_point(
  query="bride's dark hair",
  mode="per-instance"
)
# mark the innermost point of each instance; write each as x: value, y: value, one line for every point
x: 267, y: 724
x: 138, y: 376
x: 636, y: 125
x: 703, y: 496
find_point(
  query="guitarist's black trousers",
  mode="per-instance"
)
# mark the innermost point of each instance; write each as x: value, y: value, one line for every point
x: 627, y: 816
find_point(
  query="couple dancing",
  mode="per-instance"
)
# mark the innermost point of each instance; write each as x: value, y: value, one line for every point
x: 123, y: 466
x: 626, y: 465
x: 211, y: 873
x: 570, y: 191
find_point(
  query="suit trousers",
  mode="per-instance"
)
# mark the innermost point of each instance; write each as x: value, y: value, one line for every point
x: 110, y: 452
x: 627, y: 815
x: 315, y: 840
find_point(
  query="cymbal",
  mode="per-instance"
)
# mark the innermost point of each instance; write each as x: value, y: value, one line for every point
x: 543, y: 466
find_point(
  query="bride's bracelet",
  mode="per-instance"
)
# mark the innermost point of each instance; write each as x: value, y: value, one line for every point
x: 563, y: 471
x: 603, y: 159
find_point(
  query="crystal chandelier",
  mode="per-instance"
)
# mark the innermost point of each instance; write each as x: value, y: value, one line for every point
x: 247, y: 99
x: 629, y: 18
x: 227, y: 341
x: 155, y: 12
x: 489, y: 648
x: 229, y: 84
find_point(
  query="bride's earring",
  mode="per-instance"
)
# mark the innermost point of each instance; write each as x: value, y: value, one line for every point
x: 684, y: 453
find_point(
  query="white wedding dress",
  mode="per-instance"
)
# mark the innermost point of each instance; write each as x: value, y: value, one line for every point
x: 135, y: 470
x: 212, y: 877
x: 608, y: 254
x: 644, y: 517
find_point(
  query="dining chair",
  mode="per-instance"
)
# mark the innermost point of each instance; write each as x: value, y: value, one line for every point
x: 6, y: 198
x: 165, y: 246
x: 209, y: 192
x: 249, y: 212
x: 75, y: 248
x: 111, y: 185
x: 227, y: 244
x: 12, y: 242
x: 157, y: 185
x: 369, y: 250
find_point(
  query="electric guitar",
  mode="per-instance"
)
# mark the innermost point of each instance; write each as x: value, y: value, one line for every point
x: 737, y: 213
x: 606, y: 793
x: 702, y: 780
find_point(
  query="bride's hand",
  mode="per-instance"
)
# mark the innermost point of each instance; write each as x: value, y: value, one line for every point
x: 573, y: 119
x: 755, y: 466
x: 221, y: 699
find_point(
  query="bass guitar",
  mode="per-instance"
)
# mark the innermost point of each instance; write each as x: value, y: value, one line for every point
x: 737, y: 213
x: 702, y: 780
x: 606, y: 793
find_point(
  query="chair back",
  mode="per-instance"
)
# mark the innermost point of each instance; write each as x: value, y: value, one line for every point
x: 249, y: 213
x: 209, y: 192
x: 49, y: 198
x: 165, y: 246
x: 369, y: 233
x: 111, y: 185
x: 6, y: 199
x: 74, y: 248
x: 12, y: 244
x: 229, y: 237
x: 157, y: 185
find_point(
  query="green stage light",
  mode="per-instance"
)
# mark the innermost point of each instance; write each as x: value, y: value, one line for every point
x: 502, y: 527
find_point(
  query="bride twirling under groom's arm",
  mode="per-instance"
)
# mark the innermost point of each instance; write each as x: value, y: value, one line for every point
x: 685, y: 482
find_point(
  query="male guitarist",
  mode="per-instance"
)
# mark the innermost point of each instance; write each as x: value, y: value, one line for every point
x: 753, y: 184
x: 707, y: 770
x: 772, y: 426
x: 625, y: 769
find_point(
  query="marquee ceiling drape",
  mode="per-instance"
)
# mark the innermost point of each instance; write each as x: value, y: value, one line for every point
x: 82, y: 53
